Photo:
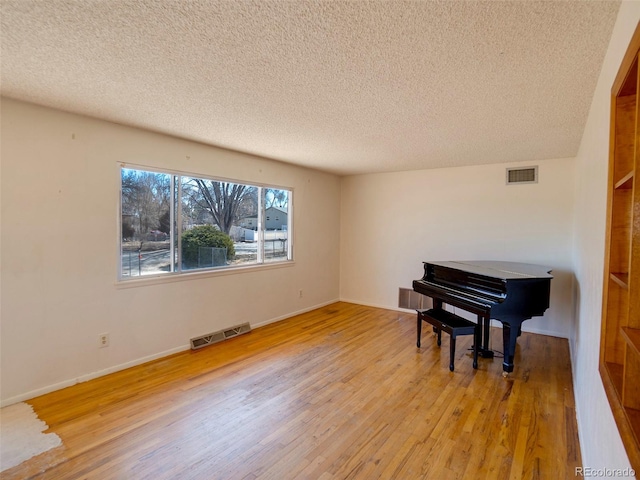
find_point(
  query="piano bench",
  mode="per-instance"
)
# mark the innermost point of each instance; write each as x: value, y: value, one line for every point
x: 454, y: 325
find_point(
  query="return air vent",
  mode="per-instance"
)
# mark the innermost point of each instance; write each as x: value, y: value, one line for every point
x: 215, y: 337
x: 522, y: 175
x: 412, y: 300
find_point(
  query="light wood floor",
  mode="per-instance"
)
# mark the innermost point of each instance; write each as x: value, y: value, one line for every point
x: 338, y: 393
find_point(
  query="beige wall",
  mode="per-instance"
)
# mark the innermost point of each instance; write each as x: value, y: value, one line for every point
x: 60, y: 179
x: 601, y: 444
x: 392, y: 222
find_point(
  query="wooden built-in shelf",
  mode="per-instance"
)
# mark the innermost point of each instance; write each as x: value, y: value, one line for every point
x: 632, y: 337
x: 633, y: 415
x: 620, y: 339
x: 625, y: 183
x: 616, y: 372
x: 620, y: 278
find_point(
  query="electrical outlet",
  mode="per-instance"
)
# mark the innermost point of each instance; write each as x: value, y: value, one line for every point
x: 300, y: 293
x: 103, y: 340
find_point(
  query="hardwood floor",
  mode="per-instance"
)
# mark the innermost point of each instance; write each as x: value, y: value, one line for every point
x: 341, y: 392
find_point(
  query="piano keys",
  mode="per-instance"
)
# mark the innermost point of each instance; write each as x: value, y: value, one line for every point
x: 505, y: 291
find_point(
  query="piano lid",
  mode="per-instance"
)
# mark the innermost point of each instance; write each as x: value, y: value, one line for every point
x: 498, y: 269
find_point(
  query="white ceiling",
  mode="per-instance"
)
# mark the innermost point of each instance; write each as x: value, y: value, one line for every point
x: 342, y: 86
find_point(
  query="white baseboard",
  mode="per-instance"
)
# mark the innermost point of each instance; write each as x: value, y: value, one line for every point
x: 89, y: 376
x: 293, y: 314
x: 376, y: 305
x: 116, y: 368
x: 139, y: 361
x: 494, y: 323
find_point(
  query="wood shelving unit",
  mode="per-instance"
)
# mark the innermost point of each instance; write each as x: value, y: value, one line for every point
x: 620, y: 340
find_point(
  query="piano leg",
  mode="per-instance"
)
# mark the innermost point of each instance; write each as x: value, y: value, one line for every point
x: 419, y: 328
x: 510, y: 334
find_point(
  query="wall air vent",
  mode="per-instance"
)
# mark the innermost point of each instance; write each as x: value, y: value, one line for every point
x: 522, y: 175
x: 215, y: 337
x: 412, y: 300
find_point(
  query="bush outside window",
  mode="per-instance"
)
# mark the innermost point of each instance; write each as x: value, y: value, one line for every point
x: 174, y: 223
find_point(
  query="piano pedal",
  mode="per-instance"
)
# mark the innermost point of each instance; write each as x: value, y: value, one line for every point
x: 485, y: 353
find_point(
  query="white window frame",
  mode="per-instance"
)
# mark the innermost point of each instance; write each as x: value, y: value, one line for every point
x: 176, y: 219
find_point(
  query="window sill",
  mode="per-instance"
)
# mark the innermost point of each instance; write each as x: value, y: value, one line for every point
x: 181, y: 277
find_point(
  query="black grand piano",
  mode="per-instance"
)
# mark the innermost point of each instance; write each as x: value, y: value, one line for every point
x: 506, y: 291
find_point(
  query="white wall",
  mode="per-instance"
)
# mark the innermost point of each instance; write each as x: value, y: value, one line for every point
x: 599, y: 437
x: 392, y: 222
x: 59, y: 256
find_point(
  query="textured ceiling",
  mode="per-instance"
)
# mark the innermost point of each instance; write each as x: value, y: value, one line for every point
x: 342, y: 86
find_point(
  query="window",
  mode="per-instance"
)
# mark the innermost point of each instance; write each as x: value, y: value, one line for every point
x: 174, y: 223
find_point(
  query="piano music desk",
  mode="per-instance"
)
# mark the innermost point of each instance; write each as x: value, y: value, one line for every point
x: 454, y: 325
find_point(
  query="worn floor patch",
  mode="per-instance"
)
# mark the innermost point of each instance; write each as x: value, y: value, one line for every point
x: 21, y: 435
